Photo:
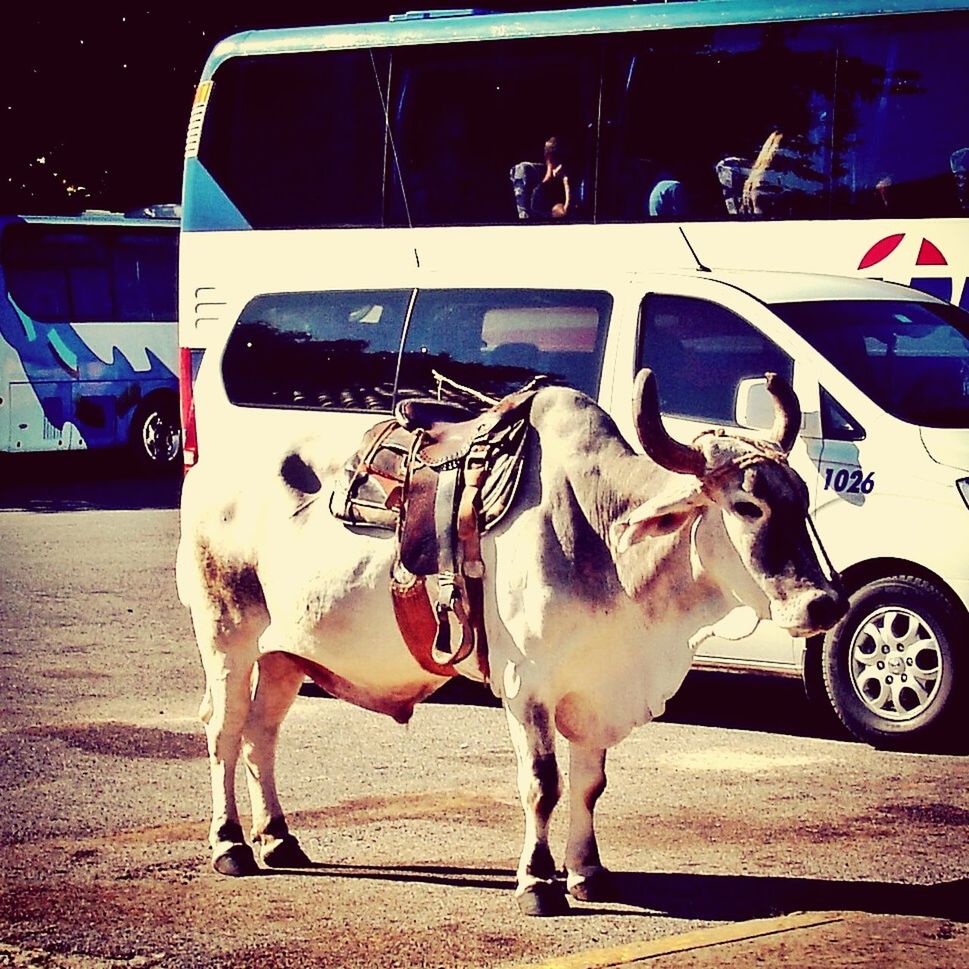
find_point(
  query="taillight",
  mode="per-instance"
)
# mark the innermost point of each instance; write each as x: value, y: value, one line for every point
x: 187, y: 368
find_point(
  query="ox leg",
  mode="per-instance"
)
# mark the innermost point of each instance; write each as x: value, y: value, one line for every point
x: 277, y: 684
x: 228, y: 663
x: 587, y: 879
x: 539, y: 787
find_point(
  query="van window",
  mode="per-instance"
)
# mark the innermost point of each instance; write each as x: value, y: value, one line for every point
x: 912, y: 359
x: 494, y: 341
x: 331, y: 350
x: 699, y: 352
x: 836, y: 423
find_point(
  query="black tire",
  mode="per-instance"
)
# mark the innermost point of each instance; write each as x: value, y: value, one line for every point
x: 156, y: 436
x: 895, y: 667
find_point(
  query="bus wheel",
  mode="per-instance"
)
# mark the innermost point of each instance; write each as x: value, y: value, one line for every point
x: 156, y: 437
x: 893, y: 667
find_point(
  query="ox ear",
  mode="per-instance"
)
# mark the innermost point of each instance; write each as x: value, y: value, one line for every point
x: 663, y: 515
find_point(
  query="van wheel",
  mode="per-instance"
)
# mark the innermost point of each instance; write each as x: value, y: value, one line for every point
x: 156, y: 437
x: 894, y: 669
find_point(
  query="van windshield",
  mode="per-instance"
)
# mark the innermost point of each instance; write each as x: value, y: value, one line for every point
x: 910, y: 358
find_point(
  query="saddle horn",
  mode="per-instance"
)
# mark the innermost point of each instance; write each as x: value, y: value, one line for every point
x: 657, y: 443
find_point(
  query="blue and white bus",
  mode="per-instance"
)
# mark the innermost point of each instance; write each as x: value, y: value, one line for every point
x: 88, y: 342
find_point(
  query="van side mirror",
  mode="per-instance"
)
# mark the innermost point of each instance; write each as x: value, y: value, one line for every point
x: 754, y: 407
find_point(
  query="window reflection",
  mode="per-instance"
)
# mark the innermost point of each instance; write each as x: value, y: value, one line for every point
x: 317, y: 350
x: 912, y: 359
x: 494, y: 341
x: 700, y: 352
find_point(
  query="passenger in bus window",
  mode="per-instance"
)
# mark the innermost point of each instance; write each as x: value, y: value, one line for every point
x: 763, y: 184
x: 732, y: 174
x: 525, y: 176
x: 783, y: 181
x: 668, y: 199
x: 552, y: 196
x: 884, y: 189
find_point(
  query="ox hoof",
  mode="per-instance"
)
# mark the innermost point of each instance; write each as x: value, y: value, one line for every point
x: 236, y: 862
x: 285, y: 853
x: 597, y: 887
x: 546, y: 899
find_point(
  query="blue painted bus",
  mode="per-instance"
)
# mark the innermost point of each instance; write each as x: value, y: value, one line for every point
x: 88, y: 335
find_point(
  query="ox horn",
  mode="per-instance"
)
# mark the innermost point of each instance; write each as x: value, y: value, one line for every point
x: 787, y: 412
x: 663, y: 449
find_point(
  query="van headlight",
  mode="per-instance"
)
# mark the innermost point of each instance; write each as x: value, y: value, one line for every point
x: 963, y: 485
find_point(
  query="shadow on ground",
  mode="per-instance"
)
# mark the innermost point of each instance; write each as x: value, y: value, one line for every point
x: 717, y: 898
x: 82, y: 481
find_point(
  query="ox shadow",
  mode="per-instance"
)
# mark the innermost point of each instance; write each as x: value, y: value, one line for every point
x: 84, y: 480
x: 717, y: 898
x: 734, y: 898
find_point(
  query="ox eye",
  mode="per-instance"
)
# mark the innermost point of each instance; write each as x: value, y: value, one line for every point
x: 748, y: 510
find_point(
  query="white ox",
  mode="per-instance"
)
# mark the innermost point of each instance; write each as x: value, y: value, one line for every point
x: 606, y: 567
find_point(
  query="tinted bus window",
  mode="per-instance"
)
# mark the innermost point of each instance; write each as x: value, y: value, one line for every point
x: 298, y: 140
x: 144, y: 277
x: 317, y: 350
x: 785, y: 121
x: 464, y: 115
x: 80, y: 274
x: 698, y: 108
x: 494, y: 341
x: 900, y: 90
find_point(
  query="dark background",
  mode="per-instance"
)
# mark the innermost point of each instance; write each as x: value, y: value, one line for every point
x: 96, y: 97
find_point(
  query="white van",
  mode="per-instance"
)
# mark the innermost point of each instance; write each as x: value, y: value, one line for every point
x: 881, y: 371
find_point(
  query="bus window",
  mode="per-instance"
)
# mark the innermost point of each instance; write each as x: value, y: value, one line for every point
x: 335, y: 351
x: 91, y: 274
x: 494, y: 341
x: 144, y: 273
x: 900, y: 85
x: 465, y: 115
x: 36, y: 259
x: 758, y: 97
x: 786, y: 121
x: 298, y: 140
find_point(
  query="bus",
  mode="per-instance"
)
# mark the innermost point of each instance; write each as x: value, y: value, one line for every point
x: 799, y: 136
x: 88, y: 335
x: 355, y: 196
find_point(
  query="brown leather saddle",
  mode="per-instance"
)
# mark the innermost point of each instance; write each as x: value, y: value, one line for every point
x: 440, y: 475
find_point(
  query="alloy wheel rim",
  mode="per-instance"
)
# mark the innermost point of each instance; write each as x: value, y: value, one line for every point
x: 896, y: 664
x: 160, y: 439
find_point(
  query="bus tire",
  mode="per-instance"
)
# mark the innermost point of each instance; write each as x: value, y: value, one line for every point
x: 156, y: 437
x: 893, y: 667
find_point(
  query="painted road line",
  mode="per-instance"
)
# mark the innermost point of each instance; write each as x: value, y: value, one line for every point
x: 699, y: 939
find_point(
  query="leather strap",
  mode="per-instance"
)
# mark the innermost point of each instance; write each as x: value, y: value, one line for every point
x: 417, y: 623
